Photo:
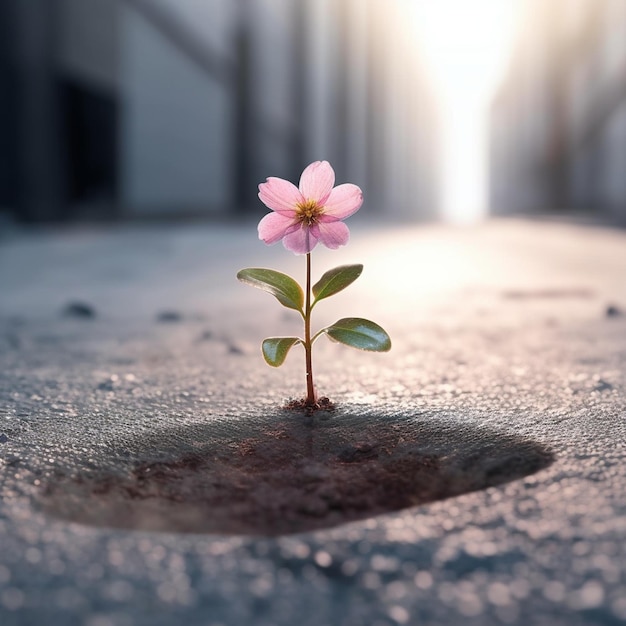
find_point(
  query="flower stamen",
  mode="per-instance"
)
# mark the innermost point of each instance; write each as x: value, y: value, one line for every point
x: 308, y: 211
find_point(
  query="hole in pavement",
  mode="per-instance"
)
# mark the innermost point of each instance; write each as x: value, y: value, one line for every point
x: 285, y: 474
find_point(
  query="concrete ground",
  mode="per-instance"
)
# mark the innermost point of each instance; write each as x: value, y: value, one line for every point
x: 136, y: 344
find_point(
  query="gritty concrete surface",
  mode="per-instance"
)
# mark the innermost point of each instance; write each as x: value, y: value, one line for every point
x: 133, y: 344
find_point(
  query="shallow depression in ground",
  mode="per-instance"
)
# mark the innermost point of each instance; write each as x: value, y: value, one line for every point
x: 288, y: 473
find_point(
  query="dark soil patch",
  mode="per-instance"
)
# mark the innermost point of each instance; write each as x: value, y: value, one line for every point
x: 287, y: 476
x: 321, y: 404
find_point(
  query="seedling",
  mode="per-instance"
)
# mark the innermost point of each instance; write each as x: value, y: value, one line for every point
x: 301, y: 217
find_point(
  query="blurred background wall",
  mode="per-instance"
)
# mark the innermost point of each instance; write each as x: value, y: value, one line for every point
x: 147, y: 108
x: 171, y: 108
x: 558, y: 123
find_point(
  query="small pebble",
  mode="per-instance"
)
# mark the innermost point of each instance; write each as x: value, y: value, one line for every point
x: 79, y: 310
x: 169, y: 316
x: 602, y: 385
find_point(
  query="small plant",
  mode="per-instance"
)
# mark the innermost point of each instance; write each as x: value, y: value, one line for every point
x: 301, y: 217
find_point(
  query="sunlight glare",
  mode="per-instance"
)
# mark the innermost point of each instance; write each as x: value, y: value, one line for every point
x: 465, y: 44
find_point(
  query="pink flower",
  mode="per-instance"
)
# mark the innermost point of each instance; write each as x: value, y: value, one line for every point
x: 313, y: 212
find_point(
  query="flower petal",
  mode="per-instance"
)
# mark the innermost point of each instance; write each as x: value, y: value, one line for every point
x: 280, y: 195
x: 274, y: 226
x: 317, y: 181
x: 343, y: 201
x: 301, y: 240
x: 332, y: 234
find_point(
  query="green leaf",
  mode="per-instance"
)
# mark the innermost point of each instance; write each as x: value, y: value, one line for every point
x: 335, y: 280
x: 283, y: 287
x: 360, y: 333
x: 275, y: 349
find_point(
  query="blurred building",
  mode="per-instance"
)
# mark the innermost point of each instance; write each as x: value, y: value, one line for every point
x: 133, y: 108
x: 558, y: 124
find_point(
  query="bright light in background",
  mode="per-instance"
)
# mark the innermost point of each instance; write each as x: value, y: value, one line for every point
x: 465, y: 44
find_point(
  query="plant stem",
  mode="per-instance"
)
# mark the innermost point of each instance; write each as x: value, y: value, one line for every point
x: 310, y: 389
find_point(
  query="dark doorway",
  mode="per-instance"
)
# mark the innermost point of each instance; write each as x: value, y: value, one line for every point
x: 8, y: 111
x: 90, y: 120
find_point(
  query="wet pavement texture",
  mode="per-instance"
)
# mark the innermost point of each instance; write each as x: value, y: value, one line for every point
x: 133, y: 350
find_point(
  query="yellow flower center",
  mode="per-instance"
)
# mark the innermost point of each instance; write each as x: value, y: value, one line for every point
x: 308, y: 211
